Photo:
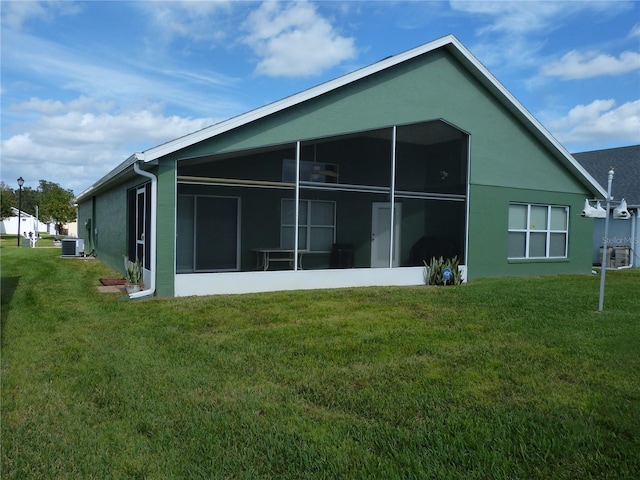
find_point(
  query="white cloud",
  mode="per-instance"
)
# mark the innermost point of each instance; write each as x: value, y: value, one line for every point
x: 125, y: 83
x: 599, y: 121
x: 293, y: 39
x: 98, y: 109
x: 51, y: 107
x: 75, y: 143
x: 511, y: 52
x: 635, y: 31
x: 524, y: 17
x: 510, y: 17
x: 194, y: 20
x: 576, y: 65
x: 16, y: 14
x: 507, y: 28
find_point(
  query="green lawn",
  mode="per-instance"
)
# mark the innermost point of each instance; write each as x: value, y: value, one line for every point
x: 500, y: 378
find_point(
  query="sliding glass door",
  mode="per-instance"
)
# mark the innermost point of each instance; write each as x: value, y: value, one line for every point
x: 208, y: 233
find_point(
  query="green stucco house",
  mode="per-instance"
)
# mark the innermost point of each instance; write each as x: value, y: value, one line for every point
x: 354, y: 182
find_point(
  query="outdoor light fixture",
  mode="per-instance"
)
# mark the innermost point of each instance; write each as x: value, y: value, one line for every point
x: 620, y: 212
x: 593, y: 212
x: 20, y: 183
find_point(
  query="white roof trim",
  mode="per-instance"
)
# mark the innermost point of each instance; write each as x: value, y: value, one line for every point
x: 287, y: 102
x: 449, y: 41
x: 578, y: 168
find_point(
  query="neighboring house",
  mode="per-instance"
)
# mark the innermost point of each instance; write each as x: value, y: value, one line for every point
x: 356, y: 182
x: 622, y: 234
x: 28, y: 224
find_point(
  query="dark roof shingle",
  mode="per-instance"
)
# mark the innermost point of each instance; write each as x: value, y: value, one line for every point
x: 626, y: 164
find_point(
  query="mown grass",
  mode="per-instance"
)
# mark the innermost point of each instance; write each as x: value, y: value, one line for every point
x: 500, y: 378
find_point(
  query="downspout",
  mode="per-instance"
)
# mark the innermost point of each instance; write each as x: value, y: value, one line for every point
x: 635, y: 244
x: 152, y: 243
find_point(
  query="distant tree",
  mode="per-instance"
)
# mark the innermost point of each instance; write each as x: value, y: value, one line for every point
x: 27, y: 200
x: 30, y: 198
x: 56, y: 204
x: 7, y: 200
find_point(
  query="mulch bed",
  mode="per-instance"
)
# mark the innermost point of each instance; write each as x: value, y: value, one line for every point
x: 109, y: 282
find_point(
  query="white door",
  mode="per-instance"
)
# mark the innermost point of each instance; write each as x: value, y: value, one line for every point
x: 380, y: 234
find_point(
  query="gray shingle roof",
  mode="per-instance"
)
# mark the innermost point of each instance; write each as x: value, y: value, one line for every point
x: 626, y: 164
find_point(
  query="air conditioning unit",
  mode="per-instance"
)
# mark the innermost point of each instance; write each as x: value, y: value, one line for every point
x: 72, y: 247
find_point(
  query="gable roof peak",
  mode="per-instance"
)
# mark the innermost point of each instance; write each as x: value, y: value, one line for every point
x: 448, y: 42
x: 274, y: 107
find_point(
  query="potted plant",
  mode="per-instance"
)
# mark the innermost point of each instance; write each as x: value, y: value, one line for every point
x: 133, y: 275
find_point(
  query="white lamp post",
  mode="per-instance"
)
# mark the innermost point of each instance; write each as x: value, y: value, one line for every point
x: 20, y: 184
x: 620, y: 212
x: 605, y: 241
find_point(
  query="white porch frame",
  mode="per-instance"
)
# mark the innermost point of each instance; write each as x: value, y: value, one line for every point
x: 225, y: 283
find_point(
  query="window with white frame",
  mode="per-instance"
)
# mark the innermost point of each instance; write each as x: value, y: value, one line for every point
x: 538, y: 231
x: 316, y: 225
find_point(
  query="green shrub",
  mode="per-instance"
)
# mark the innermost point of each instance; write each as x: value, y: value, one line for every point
x: 133, y: 272
x: 434, y: 271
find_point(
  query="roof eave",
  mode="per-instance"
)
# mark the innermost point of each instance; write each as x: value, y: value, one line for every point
x: 107, y: 179
x: 514, y: 105
x: 279, y: 105
x: 450, y: 42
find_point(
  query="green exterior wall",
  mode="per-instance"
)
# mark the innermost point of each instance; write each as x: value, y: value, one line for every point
x: 107, y: 212
x: 111, y: 239
x: 429, y: 87
x: 488, y: 226
x: 418, y: 90
x: 166, y: 228
x: 85, y: 212
x: 507, y: 163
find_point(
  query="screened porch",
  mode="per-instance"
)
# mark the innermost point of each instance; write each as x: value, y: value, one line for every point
x: 384, y: 198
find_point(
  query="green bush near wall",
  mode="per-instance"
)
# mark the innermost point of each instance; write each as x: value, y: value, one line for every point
x: 440, y: 271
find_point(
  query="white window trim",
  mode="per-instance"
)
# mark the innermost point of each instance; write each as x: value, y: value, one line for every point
x: 547, y: 230
x: 309, y: 226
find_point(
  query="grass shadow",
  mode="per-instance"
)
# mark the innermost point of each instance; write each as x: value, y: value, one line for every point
x: 8, y: 286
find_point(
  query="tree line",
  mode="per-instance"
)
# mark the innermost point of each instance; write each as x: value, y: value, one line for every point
x: 54, y: 203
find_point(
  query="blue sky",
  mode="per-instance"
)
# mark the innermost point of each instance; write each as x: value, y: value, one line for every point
x: 86, y: 84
